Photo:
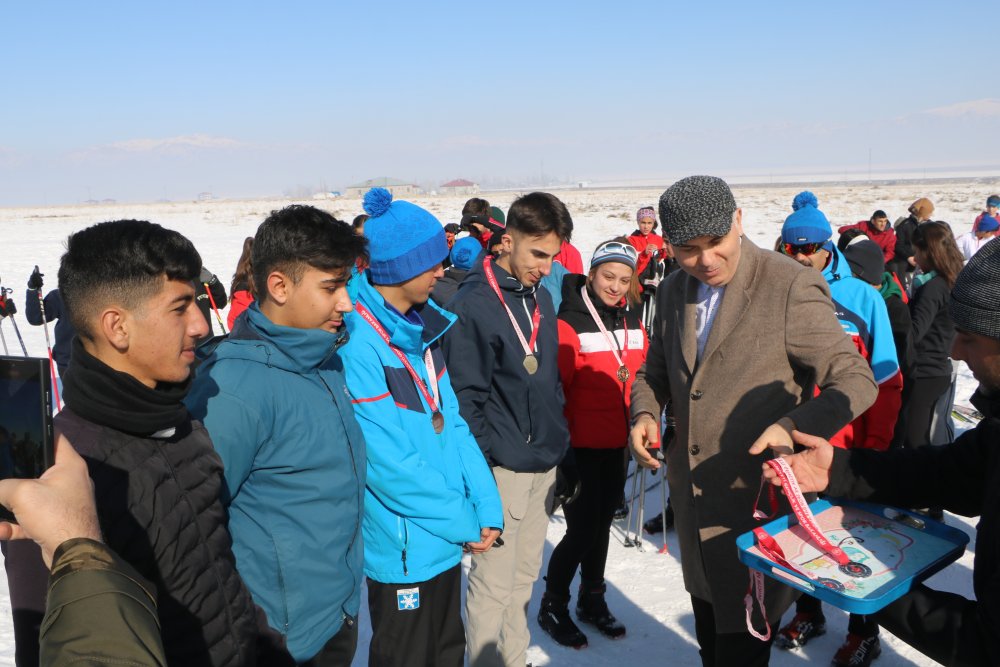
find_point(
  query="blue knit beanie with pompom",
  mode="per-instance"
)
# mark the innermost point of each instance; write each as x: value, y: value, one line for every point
x: 404, y: 240
x: 807, y: 224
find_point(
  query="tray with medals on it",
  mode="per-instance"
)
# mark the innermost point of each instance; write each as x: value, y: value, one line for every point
x: 857, y: 556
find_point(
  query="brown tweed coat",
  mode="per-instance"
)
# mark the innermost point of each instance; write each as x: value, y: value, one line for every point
x: 774, y: 338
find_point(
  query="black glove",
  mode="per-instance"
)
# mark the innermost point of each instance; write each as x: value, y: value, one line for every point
x: 206, y: 276
x: 7, y: 307
x: 35, y: 279
x: 567, y: 483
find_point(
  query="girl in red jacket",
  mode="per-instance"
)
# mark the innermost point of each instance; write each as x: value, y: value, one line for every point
x: 241, y: 291
x: 644, y: 240
x: 601, y: 346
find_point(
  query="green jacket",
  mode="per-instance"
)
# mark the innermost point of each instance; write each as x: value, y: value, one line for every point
x: 99, y: 611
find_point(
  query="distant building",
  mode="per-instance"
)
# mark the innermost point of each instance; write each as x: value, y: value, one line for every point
x: 205, y: 196
x: 396, y: 187
x: 460, y: 186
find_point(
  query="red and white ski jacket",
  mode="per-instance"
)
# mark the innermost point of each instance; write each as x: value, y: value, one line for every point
x: 640, y: 242
x: 596, y: 400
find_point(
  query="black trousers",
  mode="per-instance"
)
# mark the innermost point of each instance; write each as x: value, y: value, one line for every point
x: 339, y: 651
x: 727, y: 649
x: 28, y: 582
x: 919, y: 398
x: 430, y: 634
x: 857, y: 624
x: 588, y: 520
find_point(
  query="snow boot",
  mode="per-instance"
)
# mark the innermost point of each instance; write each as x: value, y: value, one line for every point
x: 554, y: 618
x: 803, y: 627
x: 858, y: 651
x: 593, y: 609
x: 655, y: 525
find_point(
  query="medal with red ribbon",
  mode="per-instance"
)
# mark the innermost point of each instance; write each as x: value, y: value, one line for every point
x: 437, y: 419
x: 530, y: 360
x: 623, y: 372
x: 771, y: 549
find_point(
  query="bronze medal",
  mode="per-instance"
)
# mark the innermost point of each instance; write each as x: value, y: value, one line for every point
x: 623, y: 373
x: 531, y: 364
x: 437, y: 421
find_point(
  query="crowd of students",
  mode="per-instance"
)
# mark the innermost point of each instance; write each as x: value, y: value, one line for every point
x: 393, y: 394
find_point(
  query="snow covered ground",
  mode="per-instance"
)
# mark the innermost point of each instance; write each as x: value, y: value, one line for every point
x: 645, y: 588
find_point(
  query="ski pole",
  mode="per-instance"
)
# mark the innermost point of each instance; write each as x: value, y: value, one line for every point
x: 18, y: 332
x: 215, y: 308
x: 636, y: 479
x: 642, y: 512
x: 663, y: 499
x: 48, y: 346
x: 3, y: 338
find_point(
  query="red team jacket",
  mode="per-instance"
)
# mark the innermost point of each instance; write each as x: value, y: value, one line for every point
x: 596, y: 401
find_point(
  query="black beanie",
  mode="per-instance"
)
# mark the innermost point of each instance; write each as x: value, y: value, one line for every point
x: 866, y: 260
x: 974, y: 305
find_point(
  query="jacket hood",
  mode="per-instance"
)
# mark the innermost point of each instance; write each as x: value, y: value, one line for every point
x: 404, y: 334
x: 256, y: 338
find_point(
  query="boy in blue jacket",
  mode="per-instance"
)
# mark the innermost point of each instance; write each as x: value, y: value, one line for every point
x: 430, y: 493
x: 273, y: 397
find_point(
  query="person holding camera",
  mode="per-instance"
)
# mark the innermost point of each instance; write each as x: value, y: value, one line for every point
x: 99, y: 610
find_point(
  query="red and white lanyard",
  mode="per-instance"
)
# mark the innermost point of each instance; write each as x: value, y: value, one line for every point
x: 432, y: 400
x: 769, y: 546
x: 528, y: 345
x: 611, y: 343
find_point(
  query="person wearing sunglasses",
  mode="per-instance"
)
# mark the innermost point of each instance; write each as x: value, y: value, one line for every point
x: 602, y: 344
x: 806, y: 237
x: 739, y: 342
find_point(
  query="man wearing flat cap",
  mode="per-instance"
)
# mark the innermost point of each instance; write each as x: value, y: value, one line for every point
x: 741, y: 340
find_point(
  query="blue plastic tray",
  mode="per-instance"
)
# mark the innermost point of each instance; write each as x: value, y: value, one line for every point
x: 895, y: 548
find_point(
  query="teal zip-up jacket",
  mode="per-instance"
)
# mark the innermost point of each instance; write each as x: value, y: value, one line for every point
x: 427, y: 493
x: 276, y: 405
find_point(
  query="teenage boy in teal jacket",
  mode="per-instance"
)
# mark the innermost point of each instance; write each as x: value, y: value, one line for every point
x: 273, y: 397
x: 430, y: 493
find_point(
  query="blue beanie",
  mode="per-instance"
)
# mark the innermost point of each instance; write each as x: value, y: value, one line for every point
x: 404, y: 240
x: 464, y: 252
x: 807, y: 224
x: 993, y: 200
x: 988, y: 223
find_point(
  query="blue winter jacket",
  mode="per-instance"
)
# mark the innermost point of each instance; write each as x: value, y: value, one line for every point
x: 863, y: 315
x: 275, y: 402
x: 427, y: 493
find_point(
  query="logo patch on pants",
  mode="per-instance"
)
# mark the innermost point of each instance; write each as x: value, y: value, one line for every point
x: 407, y: 599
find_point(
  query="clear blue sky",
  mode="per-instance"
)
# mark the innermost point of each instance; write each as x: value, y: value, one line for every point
x: 140, y: 101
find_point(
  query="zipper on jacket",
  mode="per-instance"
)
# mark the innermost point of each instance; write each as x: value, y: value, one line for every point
x: 354, y: 469
x: 403, y: 535
x: 524, y: 302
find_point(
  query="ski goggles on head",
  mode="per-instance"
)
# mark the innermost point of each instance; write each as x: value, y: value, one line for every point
x: 793, y: 249
x: 615, y: 251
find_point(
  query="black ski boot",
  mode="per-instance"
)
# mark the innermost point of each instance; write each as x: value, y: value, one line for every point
x: 591, y: 608
x: 554, y: 618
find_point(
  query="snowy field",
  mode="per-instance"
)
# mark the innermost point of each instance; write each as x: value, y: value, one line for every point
x: 645, y: 588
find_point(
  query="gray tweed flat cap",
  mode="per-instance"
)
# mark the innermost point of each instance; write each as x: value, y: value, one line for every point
x: 974, y: 305
x: 696, y: 206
